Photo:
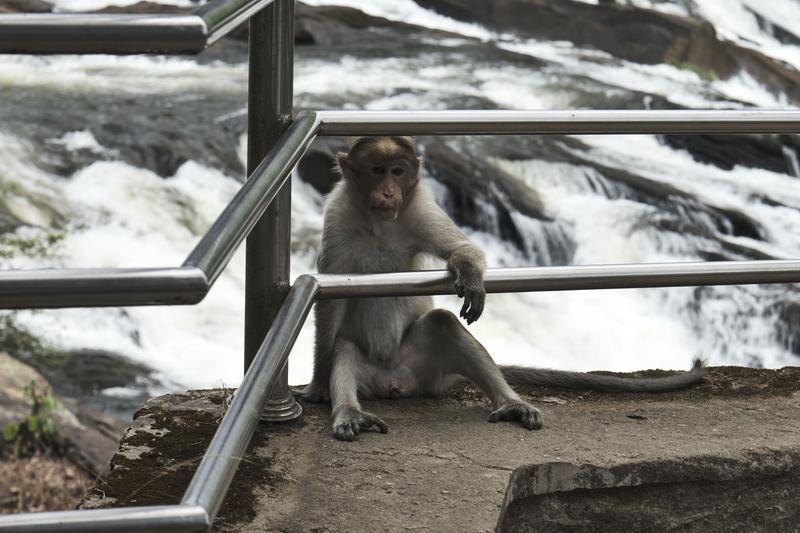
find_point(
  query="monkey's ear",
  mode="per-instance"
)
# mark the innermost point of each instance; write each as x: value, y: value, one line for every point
x: 344, y: 163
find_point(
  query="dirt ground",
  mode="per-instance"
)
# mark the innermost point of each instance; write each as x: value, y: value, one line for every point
x: 40, y: 483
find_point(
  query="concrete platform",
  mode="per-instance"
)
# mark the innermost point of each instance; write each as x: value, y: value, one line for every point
x: 723, y: 456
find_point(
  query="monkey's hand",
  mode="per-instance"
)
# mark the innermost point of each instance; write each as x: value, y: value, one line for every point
x: 469, y: 285
x: 349, y: 422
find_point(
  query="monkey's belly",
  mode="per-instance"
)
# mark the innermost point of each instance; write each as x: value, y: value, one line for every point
x: 377, y: 325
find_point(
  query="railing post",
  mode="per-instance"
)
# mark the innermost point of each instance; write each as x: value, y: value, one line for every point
x: 268, y: 245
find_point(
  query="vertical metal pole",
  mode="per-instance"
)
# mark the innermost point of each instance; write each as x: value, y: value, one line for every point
x: 268, y: 245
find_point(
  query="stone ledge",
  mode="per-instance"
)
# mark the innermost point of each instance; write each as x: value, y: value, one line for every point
x: 721, y: 456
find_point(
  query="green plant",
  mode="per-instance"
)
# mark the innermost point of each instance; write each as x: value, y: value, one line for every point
x: 702, y: 72
x: 38, y: 430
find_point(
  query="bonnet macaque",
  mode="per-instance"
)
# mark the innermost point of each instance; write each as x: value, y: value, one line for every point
x: 380, y: 218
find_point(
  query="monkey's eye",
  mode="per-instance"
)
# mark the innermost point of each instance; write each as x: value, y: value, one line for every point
x: 378, y: 170
x: 398, y: 171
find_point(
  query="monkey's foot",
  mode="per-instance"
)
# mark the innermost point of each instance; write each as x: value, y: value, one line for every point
x: 523, y: 412
x: 312, y: 393
x: 350, y: 422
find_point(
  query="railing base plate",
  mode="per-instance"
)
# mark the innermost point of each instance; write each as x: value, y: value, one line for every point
x: 281, y: 409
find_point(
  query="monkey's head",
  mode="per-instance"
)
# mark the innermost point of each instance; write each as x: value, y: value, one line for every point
x: 384, y: 170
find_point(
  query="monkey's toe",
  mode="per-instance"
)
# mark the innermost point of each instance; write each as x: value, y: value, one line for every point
x: 527, y: 415
x: 344, y: 432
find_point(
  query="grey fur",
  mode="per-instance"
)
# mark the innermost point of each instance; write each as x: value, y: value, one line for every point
x: 519, y: 375
x: 400, y: 347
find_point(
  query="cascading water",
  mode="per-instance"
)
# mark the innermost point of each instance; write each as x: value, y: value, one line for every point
x: 125, y: 162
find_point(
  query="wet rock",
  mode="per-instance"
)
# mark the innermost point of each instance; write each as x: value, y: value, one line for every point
x: 788, y: 325
x: 25, y: 6
x: 626, y: 32
x: 91, y: 379
x: 88, y: 438
x: 159, y: 133
x: 727, y: 151
x: 146, y: 8
x: 336, y: 25
x: 318, y: 166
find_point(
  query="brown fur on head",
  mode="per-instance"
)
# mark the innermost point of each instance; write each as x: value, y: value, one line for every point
x: 384, y: 170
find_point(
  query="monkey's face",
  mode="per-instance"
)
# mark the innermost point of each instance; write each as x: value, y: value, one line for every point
x: 384, y: 171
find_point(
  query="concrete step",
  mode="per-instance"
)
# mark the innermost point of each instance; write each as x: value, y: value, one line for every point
x: 722, y: 456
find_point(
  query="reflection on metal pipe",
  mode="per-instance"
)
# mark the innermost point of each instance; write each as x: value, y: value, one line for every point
x: 101, y: 287
x: 107, y: 34
x: 79, y: 33
x: 214, y: 250
x: 189, y: 518
x: 555, y: 122
x: 215, y: 473
x: 531, y: 279
x: 223, y: 16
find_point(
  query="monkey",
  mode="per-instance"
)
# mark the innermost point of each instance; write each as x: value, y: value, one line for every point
x: 380, y: 218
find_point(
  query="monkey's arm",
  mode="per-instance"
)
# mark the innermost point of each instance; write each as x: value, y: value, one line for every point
x: 439, y: 236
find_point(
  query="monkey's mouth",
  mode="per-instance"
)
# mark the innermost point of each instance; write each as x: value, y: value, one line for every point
x: 386, y: 213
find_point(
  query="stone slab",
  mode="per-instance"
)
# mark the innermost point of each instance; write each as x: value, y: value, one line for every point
x: 724, y: 455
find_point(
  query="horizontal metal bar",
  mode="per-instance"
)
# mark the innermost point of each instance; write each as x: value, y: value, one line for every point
x: 215, y: 249
x: 78, y: 33
x: 530, y: 279
x: 100, y: 287
x: 157, y: 518
x: 560, y: 122
x: 215, y: 473
x: 101, y: 34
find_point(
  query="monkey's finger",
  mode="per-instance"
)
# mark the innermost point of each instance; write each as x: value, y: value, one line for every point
x: 476, y: 308
x: 459, y: 289
x: 371, y: 420
x: 465, y: 307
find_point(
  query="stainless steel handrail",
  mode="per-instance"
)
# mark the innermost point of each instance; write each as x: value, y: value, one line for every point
x: 124, y: 33
x: 187, y: 518
x: 564, y: 278
x: 187, y: 285
x: 215, y: 249
x: 212, y: 478
x: 206, y: 491
x: 211, y: 255
x: 517, y: 122
x: 99, y: 287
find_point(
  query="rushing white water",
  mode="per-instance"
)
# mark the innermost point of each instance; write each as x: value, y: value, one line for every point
x: 120, y: 215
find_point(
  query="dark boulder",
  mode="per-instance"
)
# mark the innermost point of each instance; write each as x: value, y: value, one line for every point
x: 145, y: 8
x: 318, y: 165
x: 25, y: 6
x: 788, y: 325
x: 727, y: 151
x: 627, y: 32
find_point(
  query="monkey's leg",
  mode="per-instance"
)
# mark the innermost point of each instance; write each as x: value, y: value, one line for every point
x: 437, y: 345
x: 348, y: 418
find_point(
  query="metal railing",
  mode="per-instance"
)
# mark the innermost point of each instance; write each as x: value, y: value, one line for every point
x: 259, y: 213
x: 189, y: 283
x: 124, y: 33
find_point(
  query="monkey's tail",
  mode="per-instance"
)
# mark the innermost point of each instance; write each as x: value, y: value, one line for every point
x: 520, y: 375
